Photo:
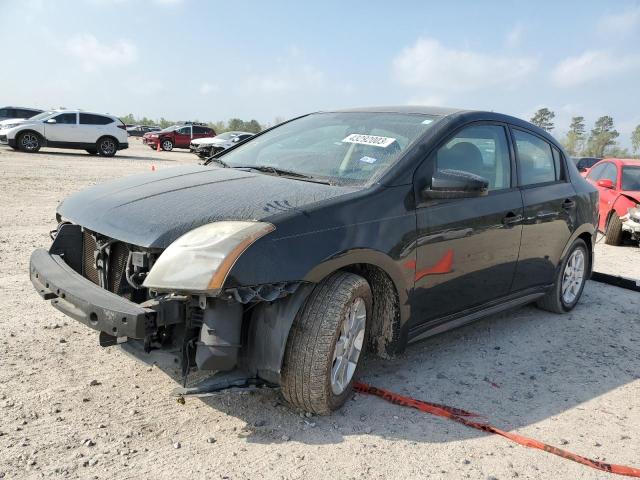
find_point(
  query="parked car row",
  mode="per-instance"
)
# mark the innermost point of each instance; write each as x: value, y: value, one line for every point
x: 206, y: 147
x: 140, y: 130
x: 8, y: 113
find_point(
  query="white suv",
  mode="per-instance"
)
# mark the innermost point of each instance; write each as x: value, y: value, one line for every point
x: 93, y: 132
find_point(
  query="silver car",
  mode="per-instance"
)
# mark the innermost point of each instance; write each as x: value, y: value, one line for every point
x: 205, y: 147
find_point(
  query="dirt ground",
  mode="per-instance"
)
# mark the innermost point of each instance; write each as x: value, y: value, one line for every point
x: 71, y: 409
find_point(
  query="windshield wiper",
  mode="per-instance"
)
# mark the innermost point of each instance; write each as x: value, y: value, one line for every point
x: 216, y: 160
x: 281, y: 172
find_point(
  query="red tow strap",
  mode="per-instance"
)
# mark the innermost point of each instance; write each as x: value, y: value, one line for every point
x: 463, y: 417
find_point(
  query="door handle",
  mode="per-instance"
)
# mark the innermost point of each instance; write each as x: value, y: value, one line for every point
x: 512, y: 219
x: 568, y: 204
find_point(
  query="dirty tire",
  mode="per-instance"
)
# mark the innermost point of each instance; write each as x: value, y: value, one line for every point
x: 613, y: 234
x: 29, y: 142
x: 308, y: 360
x: 107, y: 146
x: 553, y: 301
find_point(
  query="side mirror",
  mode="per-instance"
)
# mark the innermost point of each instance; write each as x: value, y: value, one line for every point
x: 51, y: 121
x: 447, y: 184
x: 605, y: 183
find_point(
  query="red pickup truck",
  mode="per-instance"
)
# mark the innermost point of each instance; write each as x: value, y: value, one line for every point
x: 177, y: 136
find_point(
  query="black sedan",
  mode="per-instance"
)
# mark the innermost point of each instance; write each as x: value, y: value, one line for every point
x: 288, y: 255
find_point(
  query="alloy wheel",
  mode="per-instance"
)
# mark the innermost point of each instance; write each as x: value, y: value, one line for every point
x: 29, y: 141
x: 573, y: 276
x: 348, y: 346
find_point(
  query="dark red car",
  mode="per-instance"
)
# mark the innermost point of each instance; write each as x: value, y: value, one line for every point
x: 618, y: 181
x: 177, y: 136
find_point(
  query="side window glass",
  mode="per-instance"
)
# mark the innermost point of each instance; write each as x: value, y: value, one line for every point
x: 557, y: 162
x: 184, y: 131
x: 611, y: 173
x: 595, y: 172
x: 66, y: 119
x: 199, y: 130
x: 482, y: 150
x: 4, y: 112
x: 535, y: 159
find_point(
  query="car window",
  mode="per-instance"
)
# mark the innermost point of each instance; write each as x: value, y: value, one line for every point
x: 535, y: 159
x: 91, y: 119
x: 610, y: 172
x: 200, y: 130
x: 4, y: 112
x: 66, y: 119
x: 630, y: 179
x: 184, y: 131
x: 596, y: 171
x: 482, y: 150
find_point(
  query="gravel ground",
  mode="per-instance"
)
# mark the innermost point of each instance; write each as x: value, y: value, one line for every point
x: 71, y: 409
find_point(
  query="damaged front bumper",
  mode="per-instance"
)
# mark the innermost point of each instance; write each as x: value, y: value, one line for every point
x: 631, y: 223
x: 94, y: 306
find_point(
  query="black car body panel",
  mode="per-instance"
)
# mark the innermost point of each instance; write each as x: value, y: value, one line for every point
x: 434, y: 264
x: 154, y: 210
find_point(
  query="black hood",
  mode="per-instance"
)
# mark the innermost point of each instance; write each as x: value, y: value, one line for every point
x: 154, y: 209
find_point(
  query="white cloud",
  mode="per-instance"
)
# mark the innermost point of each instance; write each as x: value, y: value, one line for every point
x: 593, y: 65
x: 429, y: 100
x: 429, y: 65
x: 620, y: 24
x: 206, y: 88
x: 514, y: 36
x: 94, y: 56
x: 288, y: 77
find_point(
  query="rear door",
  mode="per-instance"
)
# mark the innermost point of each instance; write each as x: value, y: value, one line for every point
x: 64, y: 130
x: 201, y: 132
x: 182, y: 137
x: 93, y: 126
x: 467, y: 248
x: 549, y: 209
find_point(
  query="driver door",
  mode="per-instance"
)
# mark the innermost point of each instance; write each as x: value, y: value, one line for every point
x: 467, y: 248
x: 64, y: 130
x: 183, y: 137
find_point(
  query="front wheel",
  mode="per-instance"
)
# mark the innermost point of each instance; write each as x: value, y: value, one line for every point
x: 324, y: 347
x: 29, y: 142
x: 166, y: 145
x: 570, y: 280
x: 613, y: 234
x: 107, y: 147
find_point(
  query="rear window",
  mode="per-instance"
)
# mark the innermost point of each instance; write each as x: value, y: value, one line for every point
x: 91, y: 119
x: 200, y: 130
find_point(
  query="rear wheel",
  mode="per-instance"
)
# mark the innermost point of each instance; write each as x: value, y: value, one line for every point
x: 324, y: 348
x: 613, y: 234
x: 29, y: 142
x: 570, y: 280
x: 166, y: 145
x: 107, y: 147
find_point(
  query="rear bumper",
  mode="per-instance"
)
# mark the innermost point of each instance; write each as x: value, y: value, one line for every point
x: 87, y: 302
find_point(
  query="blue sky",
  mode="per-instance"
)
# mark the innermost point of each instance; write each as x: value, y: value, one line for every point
x: 190, y: 59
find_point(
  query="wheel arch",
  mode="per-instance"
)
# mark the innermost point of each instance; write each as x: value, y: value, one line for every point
x: 387, y: 282
x: 586, y: 232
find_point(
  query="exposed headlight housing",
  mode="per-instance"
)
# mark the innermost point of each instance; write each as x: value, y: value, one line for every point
x: 8, y: 126
x: 199, y: 261
x: 634, y: 213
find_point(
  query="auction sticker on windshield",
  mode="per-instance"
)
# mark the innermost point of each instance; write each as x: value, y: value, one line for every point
x: 373, y: 140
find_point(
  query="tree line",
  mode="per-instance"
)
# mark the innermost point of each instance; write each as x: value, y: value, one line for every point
x: 233, y: 124
x: 601, y: 140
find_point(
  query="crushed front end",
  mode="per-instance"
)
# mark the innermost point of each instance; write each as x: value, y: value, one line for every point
x: 631, y: 223
x: 99, y: 281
